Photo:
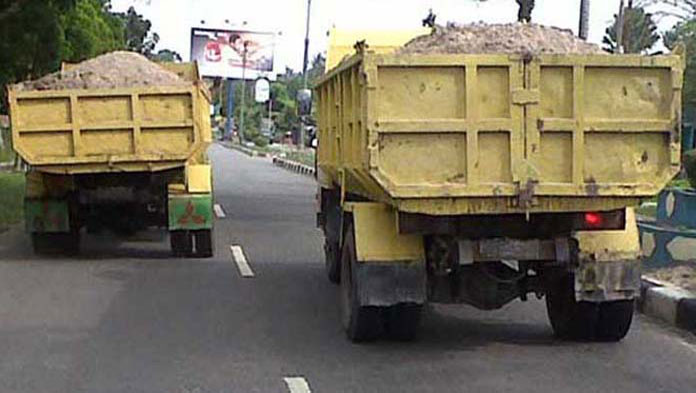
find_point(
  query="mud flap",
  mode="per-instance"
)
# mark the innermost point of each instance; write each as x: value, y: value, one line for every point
x: 607, y: 281
x: 392, y: 283
x: 190, y: 211
x: 47, y: 215
x: 609, y: 265
x: 391, y: 266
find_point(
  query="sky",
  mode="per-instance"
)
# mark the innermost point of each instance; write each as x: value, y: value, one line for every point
x: 173, y: 19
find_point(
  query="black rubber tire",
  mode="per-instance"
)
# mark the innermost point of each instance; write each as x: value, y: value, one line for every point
x: 181, y: 243
x: 332, y: 261
x: 586, y: 321
x: 614, y: 320
x: 571, y: 320
x: 204, y: 243
x: 56, y: 244
x: 361, y: 323
x: 403, y: 321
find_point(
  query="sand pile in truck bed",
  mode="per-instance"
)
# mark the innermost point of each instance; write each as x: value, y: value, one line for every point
x: 513, y: 38
x: 112, y: 70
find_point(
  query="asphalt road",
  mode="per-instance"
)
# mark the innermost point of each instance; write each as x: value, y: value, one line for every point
x: 124, y: 317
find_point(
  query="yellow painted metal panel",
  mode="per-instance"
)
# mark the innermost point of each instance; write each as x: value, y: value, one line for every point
x: 485, y: 134
x: 417, y: 159
x: 199, y: 178
x: 377, y: 237
x: 133, y: 129
x: 107, y: 142
x: 422, y: 93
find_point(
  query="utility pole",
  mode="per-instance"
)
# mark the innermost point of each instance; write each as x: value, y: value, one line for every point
x: 305, y: 62
x: 306, y: 46
x: 583, y: 30
x: 620, y: 29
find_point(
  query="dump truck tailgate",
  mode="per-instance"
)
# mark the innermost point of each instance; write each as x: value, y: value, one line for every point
x: 123, y: 129
x: 466, y: 127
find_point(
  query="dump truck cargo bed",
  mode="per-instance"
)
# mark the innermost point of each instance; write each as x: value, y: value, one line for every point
x: 498, y: 134
x: 130, y: 129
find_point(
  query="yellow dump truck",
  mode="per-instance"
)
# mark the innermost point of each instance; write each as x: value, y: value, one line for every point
x: 481, y: 179
x: 121, y: 158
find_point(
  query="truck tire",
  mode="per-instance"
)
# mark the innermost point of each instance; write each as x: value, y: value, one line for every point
x: 332, y: 261
x: 586, y: 321
x: 614, y: 320
x: 361, y: 323
x: 570, y: 320
x: 204, y: 243
x: 181, y: 243
x: 403, y: 321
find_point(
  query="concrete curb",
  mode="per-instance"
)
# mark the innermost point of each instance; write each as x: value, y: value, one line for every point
x: 668, y: 303
x: 245, y: 150
x: 294, y: 166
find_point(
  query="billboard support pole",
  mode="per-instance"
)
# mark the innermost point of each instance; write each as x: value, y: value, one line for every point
x: 230, y: 106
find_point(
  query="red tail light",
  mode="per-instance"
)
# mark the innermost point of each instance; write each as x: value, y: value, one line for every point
x: 593, y: 219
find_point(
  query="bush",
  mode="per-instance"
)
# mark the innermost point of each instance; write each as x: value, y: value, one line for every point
x: 690, y: 167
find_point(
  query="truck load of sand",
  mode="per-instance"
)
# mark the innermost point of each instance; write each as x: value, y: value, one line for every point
x: 513, y: 38
x: 108, y: 71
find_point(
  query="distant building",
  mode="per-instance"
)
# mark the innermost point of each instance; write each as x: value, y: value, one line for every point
x: 4, y: 121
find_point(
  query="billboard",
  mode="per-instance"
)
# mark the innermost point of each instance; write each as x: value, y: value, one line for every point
x: 221, y: 53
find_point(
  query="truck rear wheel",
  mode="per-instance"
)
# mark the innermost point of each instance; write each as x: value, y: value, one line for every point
x: 403, y: 321
x: 181, y: 243
x: 332, y: 261
x: 204, y: 243
x: 361, y: 323
x: 586, y: 321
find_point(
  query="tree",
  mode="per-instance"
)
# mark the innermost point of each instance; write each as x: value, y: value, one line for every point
x: 138, y: 36
x: 685, y: 32
x: 167, y: 55
x: 683, y: 10
x: 30, y: 39
x: 90, y: 30
x: 639, y: 31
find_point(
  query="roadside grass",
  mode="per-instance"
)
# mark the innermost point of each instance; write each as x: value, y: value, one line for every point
x: 6, y: 155
x: 11, y: 198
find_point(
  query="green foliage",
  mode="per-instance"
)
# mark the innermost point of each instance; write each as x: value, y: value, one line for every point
x: 166, y: 55
x: 685, y: 32
x: 138, y: 36
x: 11, y: 198
x: 639, y: 32
x: 30, y: 39
x: 690, y: 167
x: 90, y: 30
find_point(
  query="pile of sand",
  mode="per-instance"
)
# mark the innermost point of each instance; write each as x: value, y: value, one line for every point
x: 513, y: 38
x: 112, y: 70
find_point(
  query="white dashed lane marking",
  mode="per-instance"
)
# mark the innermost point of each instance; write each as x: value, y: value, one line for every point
x: 297, y: 385
x: 241, y: 261
x: 219, y: 212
